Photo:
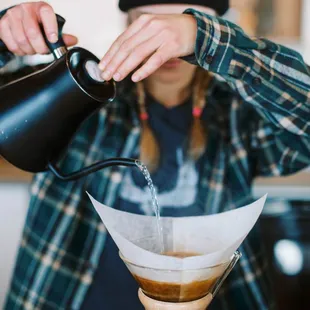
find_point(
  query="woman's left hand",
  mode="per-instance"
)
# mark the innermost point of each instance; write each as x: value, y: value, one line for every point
x: 151, y: 40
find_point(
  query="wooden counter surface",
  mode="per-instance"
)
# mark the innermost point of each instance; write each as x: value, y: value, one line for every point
x: 9, y: 173
x: 298, y: 179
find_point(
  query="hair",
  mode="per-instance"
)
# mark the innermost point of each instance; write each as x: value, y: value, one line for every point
x: 149, y: 147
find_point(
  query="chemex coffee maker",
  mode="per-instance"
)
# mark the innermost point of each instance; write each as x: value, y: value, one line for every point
x: 192, y: 289
x: 40, y: 113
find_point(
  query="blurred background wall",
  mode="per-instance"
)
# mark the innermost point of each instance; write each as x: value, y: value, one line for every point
x: 97, y: 23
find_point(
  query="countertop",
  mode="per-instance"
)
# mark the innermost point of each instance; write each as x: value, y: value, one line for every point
x: 294, y: 187
x: 9, y: 173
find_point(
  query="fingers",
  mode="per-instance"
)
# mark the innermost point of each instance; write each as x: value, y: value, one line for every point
x: 48, y: 19
x: 21, y: 32
x: 159, y: 38
x: 33, y: 31
x: 17, y: 29
x: 70, y: 40
x: 134, y: 28
x: 134, y: 43
x: 153, y: 64
x: 136, y: 57
x: 8, y: 39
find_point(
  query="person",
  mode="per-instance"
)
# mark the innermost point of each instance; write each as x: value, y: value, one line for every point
x: 207, y: 108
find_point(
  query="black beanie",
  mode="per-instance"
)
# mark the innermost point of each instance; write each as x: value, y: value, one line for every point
x: 220, y: 6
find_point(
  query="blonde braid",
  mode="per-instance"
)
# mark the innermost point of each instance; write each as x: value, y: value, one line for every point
x: 198, y: 135
x: 149, y: 148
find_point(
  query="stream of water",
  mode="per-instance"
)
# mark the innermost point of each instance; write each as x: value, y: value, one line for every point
x: 155, y: 205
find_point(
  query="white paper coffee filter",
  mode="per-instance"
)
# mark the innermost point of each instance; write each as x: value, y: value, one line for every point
x: 217, y: 237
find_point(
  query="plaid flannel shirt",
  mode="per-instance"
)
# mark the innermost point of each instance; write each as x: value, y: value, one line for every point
x: 261, y: 126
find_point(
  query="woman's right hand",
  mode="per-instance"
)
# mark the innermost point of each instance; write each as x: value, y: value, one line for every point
x: 20, y: 30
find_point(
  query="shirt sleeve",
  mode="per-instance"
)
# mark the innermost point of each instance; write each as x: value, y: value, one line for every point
x: 272, y: 78
x: 277, y: 152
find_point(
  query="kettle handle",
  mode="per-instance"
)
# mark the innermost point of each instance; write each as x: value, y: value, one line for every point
x: 127, y: 162
x: 58, y: 49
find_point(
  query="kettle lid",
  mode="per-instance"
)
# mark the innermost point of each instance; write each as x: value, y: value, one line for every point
x: 83, y: 66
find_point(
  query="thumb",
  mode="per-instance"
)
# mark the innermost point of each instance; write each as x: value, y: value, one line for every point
x: 70, y: 40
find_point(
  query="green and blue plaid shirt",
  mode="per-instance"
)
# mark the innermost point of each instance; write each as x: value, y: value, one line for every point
x: 260, y: 126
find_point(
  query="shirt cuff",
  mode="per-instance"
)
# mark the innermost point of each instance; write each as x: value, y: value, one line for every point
x: 214, y: 38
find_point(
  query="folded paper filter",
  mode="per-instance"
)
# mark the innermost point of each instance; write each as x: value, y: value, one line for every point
x: 214, y: 237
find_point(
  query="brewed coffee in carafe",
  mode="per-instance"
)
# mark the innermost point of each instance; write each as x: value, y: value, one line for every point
x: 176, y: 292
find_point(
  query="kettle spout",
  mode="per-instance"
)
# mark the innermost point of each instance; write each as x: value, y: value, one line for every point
x: 127, y: 162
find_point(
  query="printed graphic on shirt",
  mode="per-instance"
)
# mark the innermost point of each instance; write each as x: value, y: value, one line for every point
x: 182, y: 195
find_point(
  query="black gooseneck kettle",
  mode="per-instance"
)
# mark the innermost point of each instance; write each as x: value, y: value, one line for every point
x: 40, y: 113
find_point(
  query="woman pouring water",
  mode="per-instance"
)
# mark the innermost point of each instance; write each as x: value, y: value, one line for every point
x: 206, y: 107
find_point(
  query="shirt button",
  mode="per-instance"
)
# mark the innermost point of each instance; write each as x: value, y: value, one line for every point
x: 209, y: 59
x: 257, y: 81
